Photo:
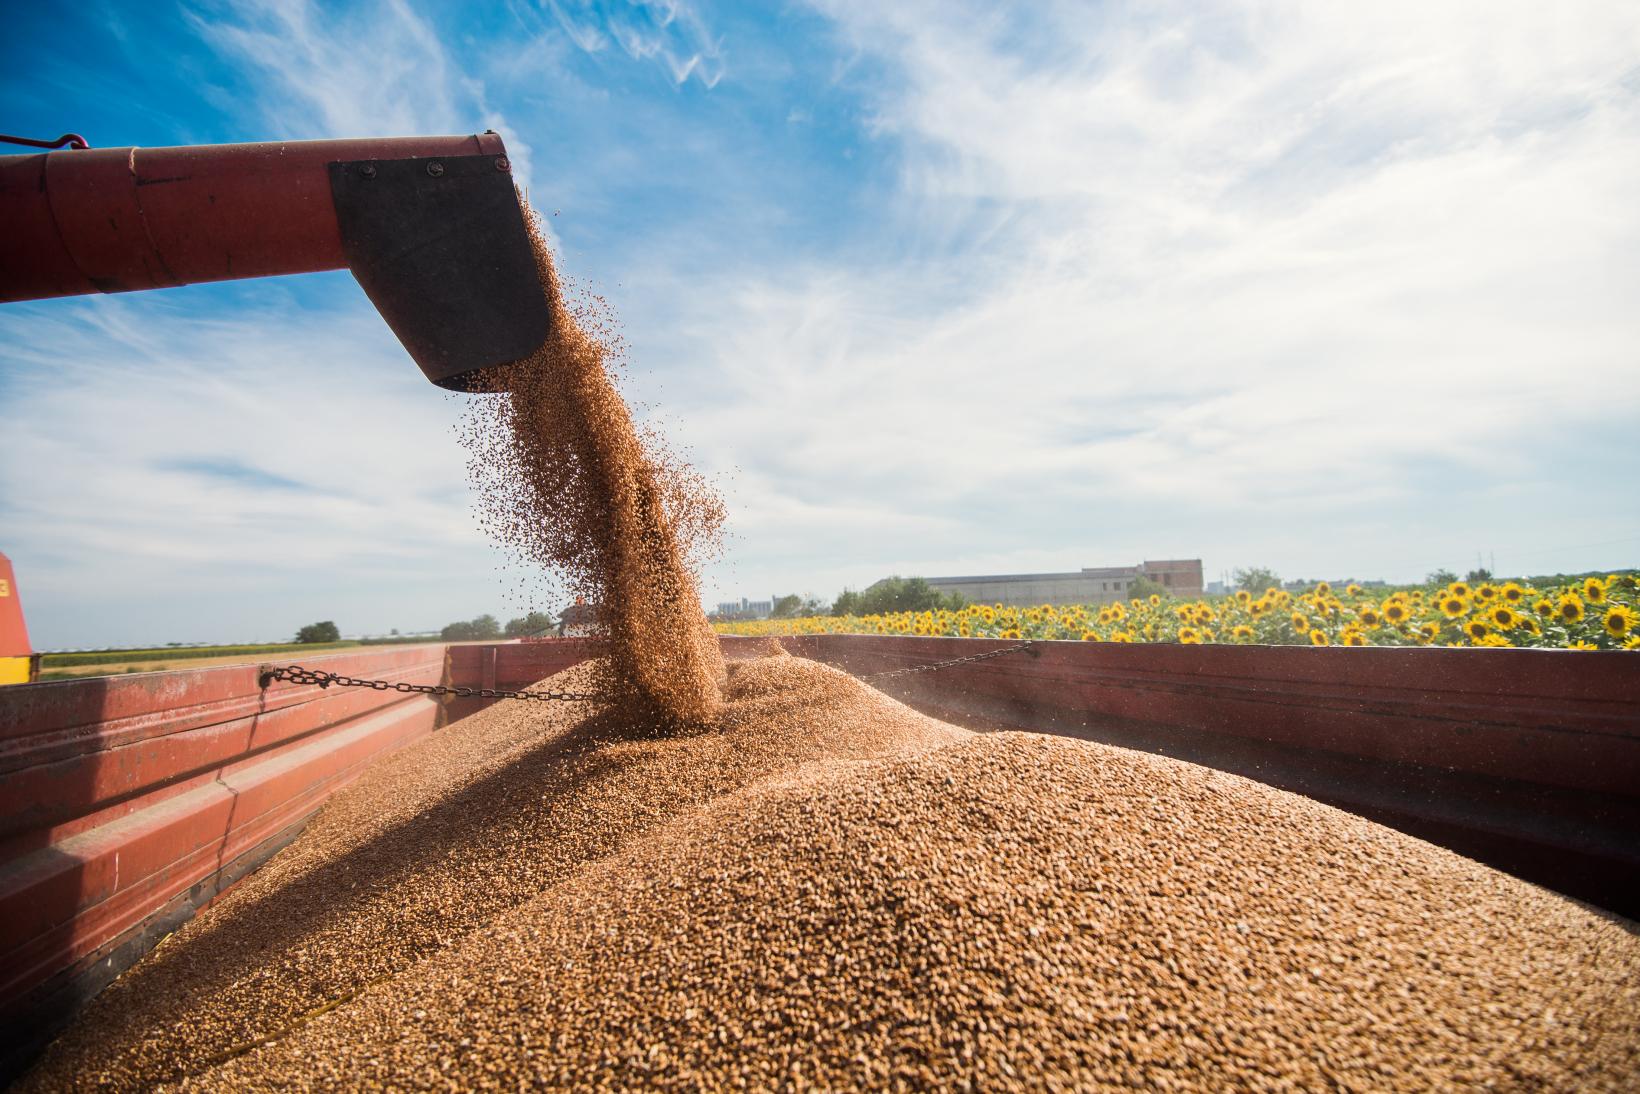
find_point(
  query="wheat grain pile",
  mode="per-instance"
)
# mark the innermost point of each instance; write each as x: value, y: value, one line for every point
x: 824, y: 888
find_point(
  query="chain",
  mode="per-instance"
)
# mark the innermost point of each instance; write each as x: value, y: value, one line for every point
x: 971, y: 658
x: 296, y: 674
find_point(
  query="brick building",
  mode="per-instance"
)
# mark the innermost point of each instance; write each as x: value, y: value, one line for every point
x: 1090, y: 585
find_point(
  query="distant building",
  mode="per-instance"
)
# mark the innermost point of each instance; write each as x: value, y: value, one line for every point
x: 745, y: 609
x: 1091, y: 585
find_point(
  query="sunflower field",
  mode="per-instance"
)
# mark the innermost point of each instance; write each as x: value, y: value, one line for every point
x: 1594, y: 613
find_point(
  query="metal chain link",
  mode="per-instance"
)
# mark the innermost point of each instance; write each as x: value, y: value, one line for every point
x: 970, y: 659
x: 296, y: 674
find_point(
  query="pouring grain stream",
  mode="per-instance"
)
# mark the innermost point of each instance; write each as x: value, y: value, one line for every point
x: 567, y: 484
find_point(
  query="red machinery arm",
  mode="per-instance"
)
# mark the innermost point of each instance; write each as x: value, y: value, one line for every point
x: 429, y: 225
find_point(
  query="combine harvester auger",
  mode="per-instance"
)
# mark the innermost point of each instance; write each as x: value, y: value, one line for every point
x: 430, y: 226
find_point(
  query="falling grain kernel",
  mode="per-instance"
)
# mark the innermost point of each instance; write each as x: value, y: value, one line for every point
x: 567, y: 484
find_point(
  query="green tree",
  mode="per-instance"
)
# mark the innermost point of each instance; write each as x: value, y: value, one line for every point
x: 1255, y: 579
x: 1477, y: 575
x: 1144, y: 587
x: 472, y: 630
x: 904, y: 594
x: 1440, y: 577
x: 787, y: 607
x: 528, y: 626
x: 847, y: 603
x: 319, y: 632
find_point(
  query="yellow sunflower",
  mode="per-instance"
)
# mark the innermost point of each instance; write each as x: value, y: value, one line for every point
x: 1502, y: 616
x: 1513, y: 593
x: 1011, y: 632
x: 1300, y: 623
x: 1570, y: 608
x: 1459, y: 588
x: 1594, y: 590
x: 1242, y: 632
x: 1477, y: 628
x: 1189, y: 636
x: 1582, y: 646
x: 1544, y: 608
x: 1369, y: 616
x: 1353, y: 637
x: 1429, y: 631
x: 1493, y: 640
x: 1453, y: 605
x: 1529, y: 624
x: 1323, y: 589
x: 1121, y: 636
x: 1352, y: 589
x: 1155, y: 600
x: 1485, y: 592
x: 1319, y: 638
x: 1090, y: 636
x: 1619, y: 621
x: 1243, y: 595
x: 1396, y: 612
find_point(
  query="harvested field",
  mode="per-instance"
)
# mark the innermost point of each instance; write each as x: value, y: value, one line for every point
x: 826, y: 888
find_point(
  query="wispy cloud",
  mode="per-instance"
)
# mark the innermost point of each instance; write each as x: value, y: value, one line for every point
x: 1171, y: 278
x: 667, y: 32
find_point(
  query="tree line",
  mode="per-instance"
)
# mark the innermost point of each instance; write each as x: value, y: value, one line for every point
x: 477, y: 629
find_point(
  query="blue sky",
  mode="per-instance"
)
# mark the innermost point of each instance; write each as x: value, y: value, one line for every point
x: 927, y: 288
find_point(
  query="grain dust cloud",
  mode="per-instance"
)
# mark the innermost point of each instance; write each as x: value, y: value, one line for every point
x: 821, y: 888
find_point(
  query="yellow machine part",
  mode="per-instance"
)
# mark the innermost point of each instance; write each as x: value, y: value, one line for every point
x: 14, y: 670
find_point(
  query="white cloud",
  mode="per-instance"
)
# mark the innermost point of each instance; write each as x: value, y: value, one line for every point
x: 1262, y: 281
x: 241, y: 474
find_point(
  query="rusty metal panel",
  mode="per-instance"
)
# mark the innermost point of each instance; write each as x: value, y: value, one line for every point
x: 122, y: 794
x: 154, y: 734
